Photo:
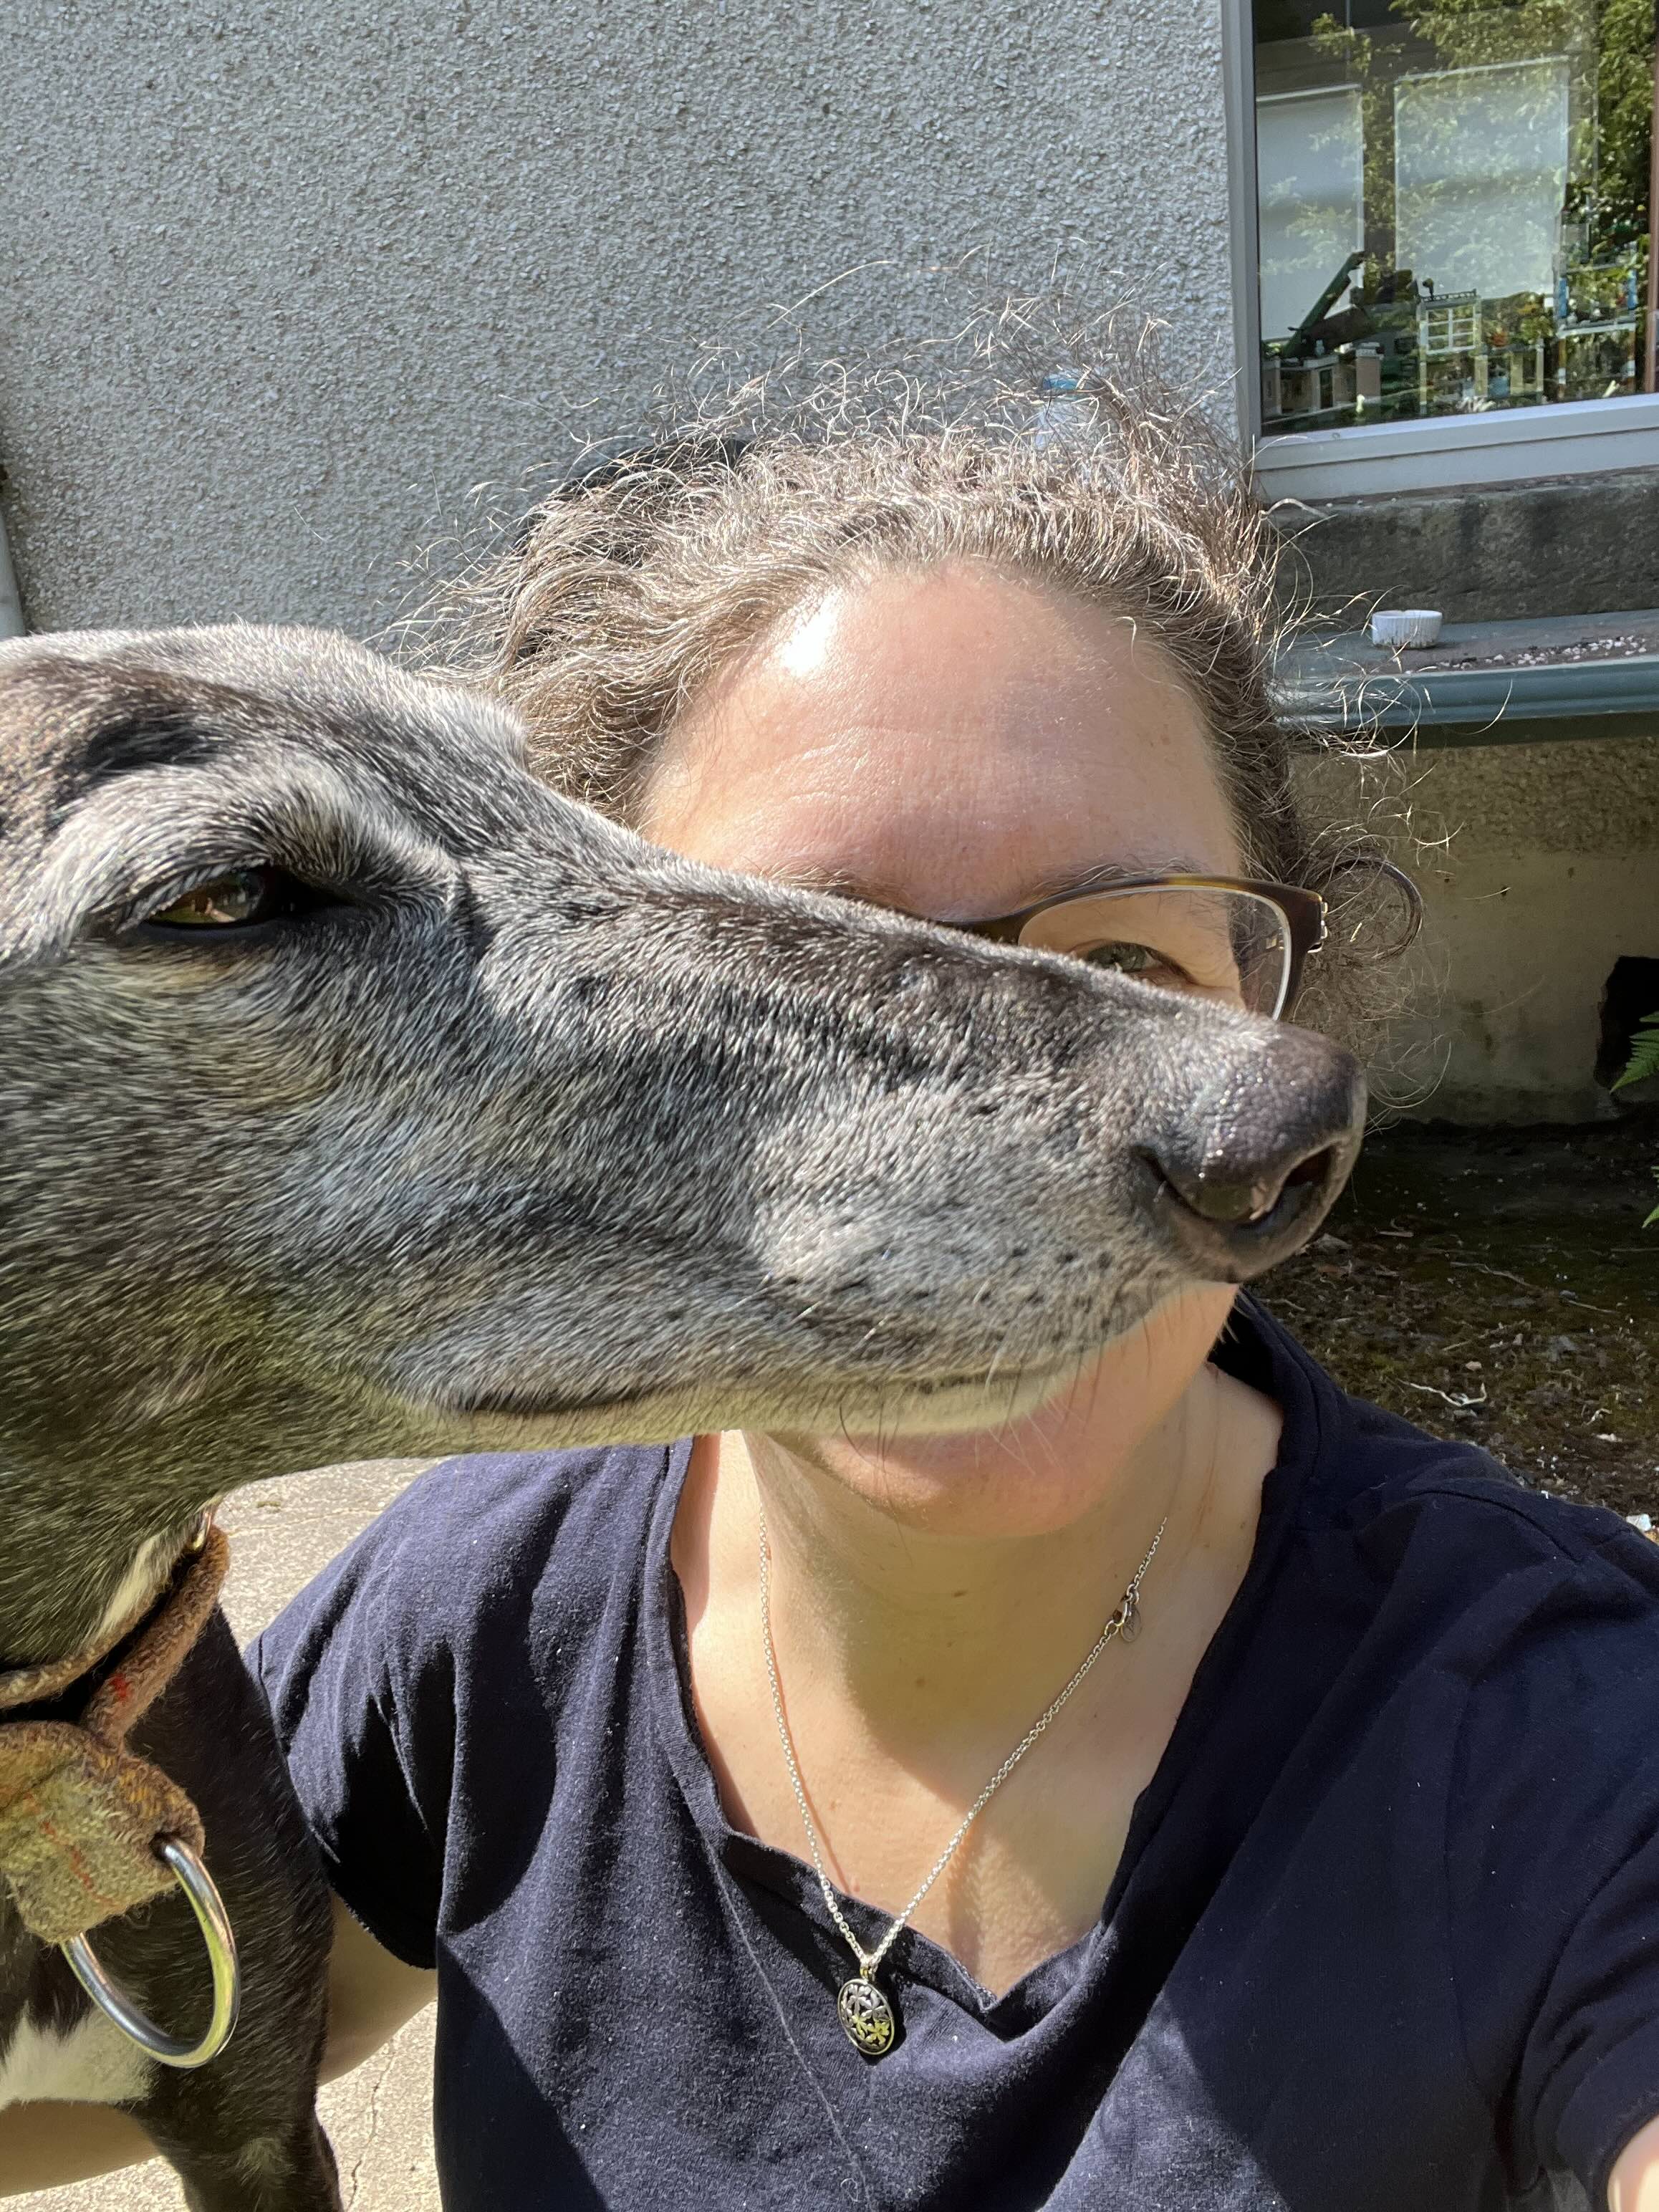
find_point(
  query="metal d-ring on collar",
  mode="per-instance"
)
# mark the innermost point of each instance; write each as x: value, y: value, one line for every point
x: 205, y: 1902
x: 201, y: 1894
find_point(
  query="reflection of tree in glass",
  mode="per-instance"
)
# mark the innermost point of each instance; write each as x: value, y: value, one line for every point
x: 1499, y: 181
x: 1313, y: 229
x: 1607, y: 189
x: 1460, y: 34
x: 1500, y: 150
x: 1621, y: 214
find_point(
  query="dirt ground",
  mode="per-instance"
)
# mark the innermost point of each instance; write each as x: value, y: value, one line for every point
x: 1498, y: 1285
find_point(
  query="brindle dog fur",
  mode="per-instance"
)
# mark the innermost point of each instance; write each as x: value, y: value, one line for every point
x: 503, y: 1130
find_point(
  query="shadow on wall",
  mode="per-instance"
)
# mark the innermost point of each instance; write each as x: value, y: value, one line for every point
x: 1632, y: 996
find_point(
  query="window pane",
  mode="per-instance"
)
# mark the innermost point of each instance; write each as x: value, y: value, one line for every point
x: 1308, y: 151
x: 1480, y: 177
x: 1454, y: 205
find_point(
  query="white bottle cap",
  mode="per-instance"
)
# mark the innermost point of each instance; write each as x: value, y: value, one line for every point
x: 1405, y: 626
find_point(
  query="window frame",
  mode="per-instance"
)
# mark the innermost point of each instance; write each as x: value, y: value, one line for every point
x: 11, y: 604
x: 1575, y: 437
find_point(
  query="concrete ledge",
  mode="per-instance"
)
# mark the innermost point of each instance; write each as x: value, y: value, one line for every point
x: 1539, y: 867
x: 1483, y: 683
x: 1493, y: 553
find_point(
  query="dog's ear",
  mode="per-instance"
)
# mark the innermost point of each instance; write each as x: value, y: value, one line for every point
x: 26, y: 774
x: 30, y: 930
x: 52, y: 703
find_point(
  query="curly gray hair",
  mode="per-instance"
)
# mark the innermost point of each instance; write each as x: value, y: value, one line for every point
x: 641, y: 574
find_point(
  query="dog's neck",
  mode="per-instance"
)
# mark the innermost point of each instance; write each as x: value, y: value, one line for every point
x: 76, y: 1562
x: 138, y: 1596
x: 92, y: 1505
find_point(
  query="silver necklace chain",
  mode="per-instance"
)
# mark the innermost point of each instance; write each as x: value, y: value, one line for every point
x: 1125, y: 1622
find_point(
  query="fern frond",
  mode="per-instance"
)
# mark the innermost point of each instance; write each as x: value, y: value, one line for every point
x: 1644, y: 1052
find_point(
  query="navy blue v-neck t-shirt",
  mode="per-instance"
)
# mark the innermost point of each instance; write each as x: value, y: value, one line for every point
x: 1384, y: 1938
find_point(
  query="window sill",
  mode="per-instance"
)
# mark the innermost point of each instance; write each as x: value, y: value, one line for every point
x: 1526, y: 689
x: 1583, y: 437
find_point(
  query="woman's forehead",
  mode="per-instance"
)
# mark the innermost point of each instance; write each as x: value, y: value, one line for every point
x: 921, y: 739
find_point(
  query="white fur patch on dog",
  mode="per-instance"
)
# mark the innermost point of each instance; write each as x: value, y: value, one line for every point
x: 94, y: 2063
x: 152, y: 1563
x: 141, y: 1583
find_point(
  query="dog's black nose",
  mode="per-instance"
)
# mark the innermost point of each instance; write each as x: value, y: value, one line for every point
x: 1249, y: 1170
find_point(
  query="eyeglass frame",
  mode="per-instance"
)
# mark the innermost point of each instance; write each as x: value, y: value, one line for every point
x: 1306, y: 914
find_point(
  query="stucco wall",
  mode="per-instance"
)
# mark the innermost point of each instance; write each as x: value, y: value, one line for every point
x: 1539, y: 865
x: 282, y: 280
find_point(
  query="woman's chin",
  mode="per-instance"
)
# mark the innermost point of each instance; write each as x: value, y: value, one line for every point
x: 1043, y: 1451
x: 956, y: 1411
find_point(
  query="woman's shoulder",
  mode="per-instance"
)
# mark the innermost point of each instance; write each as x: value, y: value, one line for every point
x: 478, y: 1542
x: 488, y: 1503
x: 1417, y: 1614
x: 1434, y: 1511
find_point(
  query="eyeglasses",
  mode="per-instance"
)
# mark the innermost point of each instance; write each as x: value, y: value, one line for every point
x: 1218, y: 937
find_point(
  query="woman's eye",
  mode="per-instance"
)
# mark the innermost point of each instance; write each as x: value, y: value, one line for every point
x: 1130, y: 959
x: 236, y: 900
x: 1150, y: 965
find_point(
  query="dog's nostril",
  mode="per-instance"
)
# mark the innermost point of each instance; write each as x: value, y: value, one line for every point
x: 1314, y: 1169
x: 1220, y: 1198
x: 1235, y: 1201
x: 1249, y: 1170
x: 1317, y: 1169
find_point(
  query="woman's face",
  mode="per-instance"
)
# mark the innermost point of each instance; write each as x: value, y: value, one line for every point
x: 959, y: 743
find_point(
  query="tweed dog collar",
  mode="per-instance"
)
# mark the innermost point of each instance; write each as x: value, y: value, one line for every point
x: 80, y: 1816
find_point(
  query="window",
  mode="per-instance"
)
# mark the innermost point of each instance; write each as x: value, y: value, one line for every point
x: 1452, y: 217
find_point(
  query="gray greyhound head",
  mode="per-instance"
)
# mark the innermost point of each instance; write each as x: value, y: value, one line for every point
x: 479, y: 1121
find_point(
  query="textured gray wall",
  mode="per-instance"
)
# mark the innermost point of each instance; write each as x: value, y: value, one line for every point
x: 282, y: 279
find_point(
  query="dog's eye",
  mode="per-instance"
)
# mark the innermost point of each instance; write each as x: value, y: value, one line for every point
x: 237, y: 899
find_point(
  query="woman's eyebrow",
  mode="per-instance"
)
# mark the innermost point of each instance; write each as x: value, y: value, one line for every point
x: 1063, y: 882
x: 838, y: 883
x: 841, y: 883
x: 807, y: 878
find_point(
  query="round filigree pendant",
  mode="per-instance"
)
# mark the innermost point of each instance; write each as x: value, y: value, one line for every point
x: 866, y: 2016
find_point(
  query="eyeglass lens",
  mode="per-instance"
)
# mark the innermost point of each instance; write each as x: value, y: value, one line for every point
x: 1228, y: 944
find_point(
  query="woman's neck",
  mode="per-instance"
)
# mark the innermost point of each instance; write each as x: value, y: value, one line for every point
x: 930, y: 1632
x: 913, y: 1657
x: 928, y: 1635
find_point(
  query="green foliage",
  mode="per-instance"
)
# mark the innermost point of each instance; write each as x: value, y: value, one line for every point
x: 1644, y: 1052
x: 1625, y: 97
x: 1643, y: 1064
